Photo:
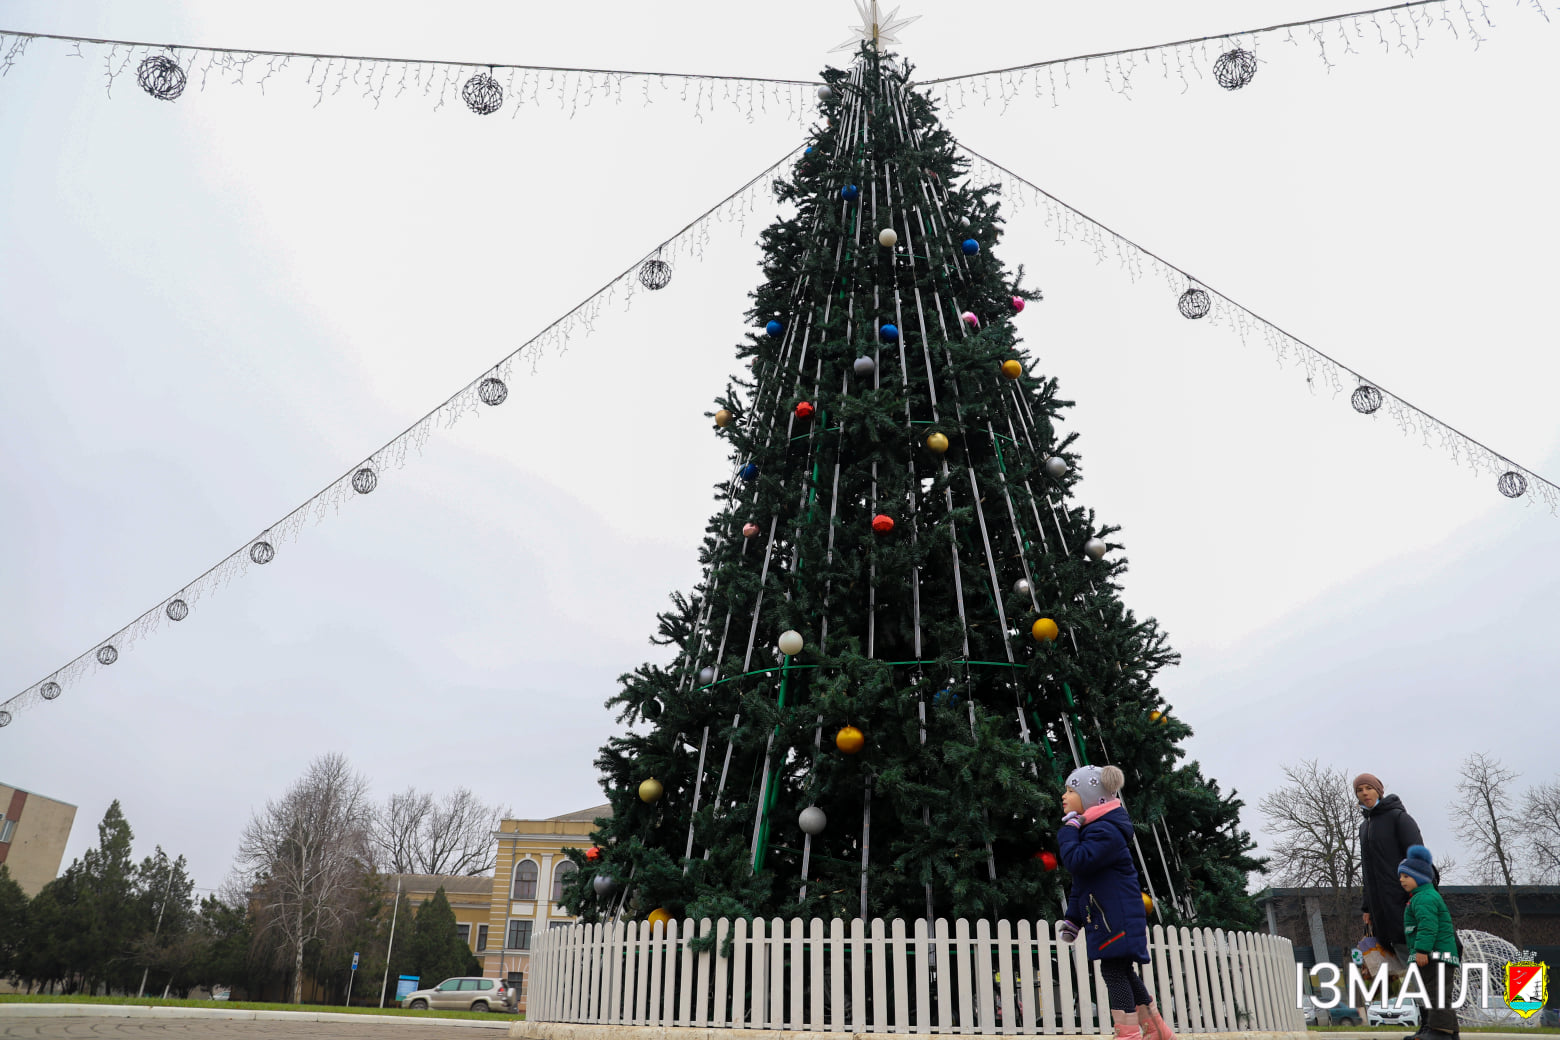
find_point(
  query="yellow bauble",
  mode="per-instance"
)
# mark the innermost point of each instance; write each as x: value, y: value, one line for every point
x: 650, y: 791
x: 1148, y: 903
x: 659, y: 916
x: 1045, y: 630
x: 1158, y: 716
x: 1012, y: 369
x: 722, y: 417
x: 937, y: 443
x: 850, y: 740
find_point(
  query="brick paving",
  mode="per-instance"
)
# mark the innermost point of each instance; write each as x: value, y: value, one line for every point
x: 55, y: 1028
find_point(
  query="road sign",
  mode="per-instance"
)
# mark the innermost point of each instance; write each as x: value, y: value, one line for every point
x: 354, y: 962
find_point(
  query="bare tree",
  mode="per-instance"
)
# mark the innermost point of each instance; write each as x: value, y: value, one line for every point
x: 1481, y: 814
x: 1541, y: 820
x: 1315, y: 823
x: 306, y: 854
x: 414, y: 834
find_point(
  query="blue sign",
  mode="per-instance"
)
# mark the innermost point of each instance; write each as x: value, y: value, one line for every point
x: 354, y: 962
x: 404, y: 985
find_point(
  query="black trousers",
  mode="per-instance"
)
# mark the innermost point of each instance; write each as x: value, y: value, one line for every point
x: 1122, y: 983
x: 1439, y: 978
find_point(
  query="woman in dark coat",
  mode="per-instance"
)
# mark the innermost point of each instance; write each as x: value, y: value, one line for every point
x: 1386, y: 833
x: 1106, y: 901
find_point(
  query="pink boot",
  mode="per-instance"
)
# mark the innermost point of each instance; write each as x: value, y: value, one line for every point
x: 1126, y: 1023
x: 1154, y: 1026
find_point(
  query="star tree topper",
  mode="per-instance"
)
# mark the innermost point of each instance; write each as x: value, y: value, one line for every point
x: 875, y: 29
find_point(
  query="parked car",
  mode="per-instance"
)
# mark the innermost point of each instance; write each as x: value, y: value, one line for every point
x: 1393, y: 1014
x: 1339, y: 1015
x: 462, y: 994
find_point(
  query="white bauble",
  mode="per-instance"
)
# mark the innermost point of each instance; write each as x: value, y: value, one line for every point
x: 888, y: 238
x: 812, y: 820
x: 864, y: 367
x: 706, y: 676
x: 1056, y: 467
x: 790, y: 642
x: 1095, y: 548
x: 1021, y: 586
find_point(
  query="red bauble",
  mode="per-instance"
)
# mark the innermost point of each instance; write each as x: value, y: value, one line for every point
x: 1047, y: 859
x: 804, y: 410
x: 593, y: 853
x: 749, y: 529
x: 882, y: 523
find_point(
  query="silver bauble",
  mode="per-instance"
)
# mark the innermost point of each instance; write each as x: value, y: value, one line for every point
x: 812, y: 820
x: 864, y: 367
x: 888, y: 238
x: 825, y: 93
x: 1021, y: 586
x: 604, y: 885
x: 1056, y: 467
x: 791, y: 642
x: 706, y: 676
x: 1095, y: 548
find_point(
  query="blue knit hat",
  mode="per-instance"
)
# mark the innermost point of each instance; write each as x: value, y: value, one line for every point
x: 1418, y: 865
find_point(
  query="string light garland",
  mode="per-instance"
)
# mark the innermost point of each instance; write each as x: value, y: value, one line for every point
x: 488, y: 390
x: 1320, y: 368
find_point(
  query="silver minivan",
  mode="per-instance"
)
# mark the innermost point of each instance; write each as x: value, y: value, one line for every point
x: 462, y: 994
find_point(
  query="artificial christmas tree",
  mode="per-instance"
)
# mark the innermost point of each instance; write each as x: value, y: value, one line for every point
x: 908, y: 631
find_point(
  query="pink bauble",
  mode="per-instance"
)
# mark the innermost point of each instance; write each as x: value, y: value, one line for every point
x: 968, y: 317
x: 749, y: 529
x: 1018, y: 303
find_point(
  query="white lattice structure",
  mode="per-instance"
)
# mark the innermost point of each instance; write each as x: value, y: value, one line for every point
x: 1495, y: 953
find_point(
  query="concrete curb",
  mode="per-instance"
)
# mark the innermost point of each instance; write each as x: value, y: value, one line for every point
x: 563, y: 1031
x: 19, y: 1009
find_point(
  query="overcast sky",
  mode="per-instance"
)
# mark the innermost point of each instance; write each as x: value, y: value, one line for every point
x: 212, y: 308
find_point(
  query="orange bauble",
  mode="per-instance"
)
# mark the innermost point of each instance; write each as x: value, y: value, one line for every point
x: 1012, y: 369
x: 593, y: 853
x: 659, y: 916
x: 804, y: 410
x: 1148, y: 903
x: 1044, y: 630
x: 850, y: 740
x: 882, y: 523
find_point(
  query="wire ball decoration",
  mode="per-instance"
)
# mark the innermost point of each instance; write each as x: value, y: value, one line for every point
x: 161, y: 77
x: 365, y: 480
x: 50, y: 690
x: 107, y: 654
x: 1512, y: 484
x: 492, y: 391
x: 177, y: 610
x: 482, y: 94
x: 1365, y: 399
x: 5, y: 718
x: 654, y: 274
x: 262, y: 552
x: 1194, y: 304
x: 1235, y: 68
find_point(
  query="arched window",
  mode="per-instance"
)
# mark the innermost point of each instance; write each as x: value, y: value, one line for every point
x: 525, y: 880
x: 561, y: 874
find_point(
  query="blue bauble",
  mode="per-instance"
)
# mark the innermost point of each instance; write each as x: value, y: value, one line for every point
x: 970, y: 247
x: 849, y: 192
x: 949, y: 695
x: 774, y: 328
x: 890, y: 333
x: 807, y: 152
x: 749, y: 472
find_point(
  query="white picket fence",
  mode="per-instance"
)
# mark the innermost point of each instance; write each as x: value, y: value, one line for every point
x: 877, y: 978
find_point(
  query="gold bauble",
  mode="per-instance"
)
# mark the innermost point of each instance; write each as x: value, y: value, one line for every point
x: 659, y: 916
x: 1044, y: 630
x: 1148, y: 903
x: 650, y: 791
x: 1012, y: 369
x: 1158, y: 716
x: 722, y: 417
x: 937, y: 443
x: 850, y: 740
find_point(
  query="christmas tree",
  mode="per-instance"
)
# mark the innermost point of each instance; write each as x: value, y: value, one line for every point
x: 909, y: 630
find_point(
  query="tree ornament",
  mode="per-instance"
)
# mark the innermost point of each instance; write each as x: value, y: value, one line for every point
x: 864, y: 367
x: 603, y: 884
x: 850, y: 740
x: 706, y: 675
x: 749, y: 529
x: 650, y: 709
x: 1234, y: 69
x: 889, y: 333
x: 1148, y: 903
x: 492, y: 391
x: 161, y: 77
x: 850, y: 192
x: 774, y: 328
x: 654, y: 274
x: 936, y: 443
x: 107, y: 654
x: 946, y: 694
x: 50, y: 690
x: 1158, y: 717
x: 651, y: 791
x: 262, y: 552
x: 5, y: 718
x: 1365, y: 399
x: 749, y: 473
x: 177, y: 610
x: 970, y: 247
x: 1194, y: 304
x: 812, y: 820
x: 888, y: 238
x: 1044, y: 630
x: 660, y: 917
x: 804, y: 410
x: 1018, y: 303
x: 1095, y: 548
x: 593, y: 853
x: 482, y: 94
x: 1047, y: 859
x: 1021, y: 586
x: 1012, y: 369
x: 365, y: 480
x: 790, y: 642
x: 723, y: 417
x: 882, y: 523
x: 825, y: 92
x: 1056, y: 467
x: 1512, y: 484
x: 969, y: 318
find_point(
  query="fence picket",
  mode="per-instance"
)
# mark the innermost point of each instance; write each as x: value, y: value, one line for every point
x: 1207, y: 1000
x: 798, y: 958
x: 1157, y: 977
x: 815, y: 969
x: 701, y: 988
x: 1275, y: 961
x: 1045, y: 1001
x: 922, y: 966
x: 942, y: 964
x: 1262, y: 998
x: 858, y: 974
x: 1007, y: 1020
x: 1247, y: 996
x: 877, y: 946
x: 901, y: 1023
x: 964, y: 1012
x: 836, y: 976
x: 1083, y: 983
x: 758, y: 973
x: 776, y: 973
x: 985, y: 998
x: 1064, y: 985
x: 1217, y: 1002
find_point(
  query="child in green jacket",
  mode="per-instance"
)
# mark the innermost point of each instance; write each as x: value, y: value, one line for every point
x: 1431, y: 941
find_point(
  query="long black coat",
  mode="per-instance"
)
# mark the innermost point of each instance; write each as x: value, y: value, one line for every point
x: 1385, y: 835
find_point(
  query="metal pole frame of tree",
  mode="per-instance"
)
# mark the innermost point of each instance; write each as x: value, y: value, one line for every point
x: 390, y: 949
x: 161, y: 907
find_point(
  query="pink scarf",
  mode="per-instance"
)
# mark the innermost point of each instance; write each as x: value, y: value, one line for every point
x: 1095, y: 812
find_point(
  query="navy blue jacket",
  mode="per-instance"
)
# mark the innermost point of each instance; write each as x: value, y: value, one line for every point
x: 1106, y: 902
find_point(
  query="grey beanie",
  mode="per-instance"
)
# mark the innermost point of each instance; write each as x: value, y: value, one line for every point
x: 1095, y: 786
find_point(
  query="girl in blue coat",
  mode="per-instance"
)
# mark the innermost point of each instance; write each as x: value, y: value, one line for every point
x: 1106, y: 902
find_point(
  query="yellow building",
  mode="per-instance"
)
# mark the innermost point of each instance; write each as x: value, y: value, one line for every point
x: 33, y: 833
x: 526, y: 885
x: 470, y: 897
